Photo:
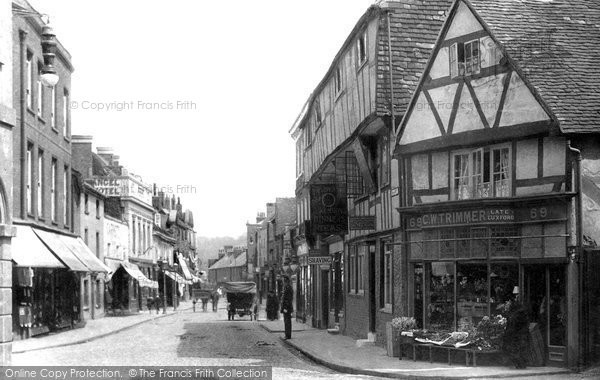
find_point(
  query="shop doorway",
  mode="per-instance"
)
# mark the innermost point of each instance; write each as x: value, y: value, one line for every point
x: 545, y: 295
x: 325, y: 299
x: 372, y: 285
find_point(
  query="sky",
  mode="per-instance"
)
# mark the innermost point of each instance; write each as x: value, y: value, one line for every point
x: 199, y: 96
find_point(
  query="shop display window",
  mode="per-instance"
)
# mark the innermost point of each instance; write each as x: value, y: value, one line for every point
x: 447, y: 243
x: 479, y: 243
x: 472, y: 294
x: 440, y: 306
x: 502, y: 245
x: 418, y: 293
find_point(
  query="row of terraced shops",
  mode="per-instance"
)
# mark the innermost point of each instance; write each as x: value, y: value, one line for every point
x: 465, y: 176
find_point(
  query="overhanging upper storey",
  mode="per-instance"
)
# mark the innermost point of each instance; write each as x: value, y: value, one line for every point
x: 371, y: 77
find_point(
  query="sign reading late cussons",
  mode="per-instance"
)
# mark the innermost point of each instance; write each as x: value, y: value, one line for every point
x: 319, y: 260
x: 489, y: 215
x: 328, y: 209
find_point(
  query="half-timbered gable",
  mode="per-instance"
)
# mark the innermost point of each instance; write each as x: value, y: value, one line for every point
x: 498, y: 154
x: 344, y: 138
x: 475, y: 127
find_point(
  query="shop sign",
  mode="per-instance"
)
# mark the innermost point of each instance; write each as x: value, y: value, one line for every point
x: 302, y: 249
x: 328, y: 210
x: 362, y: 223
x: 489, y: 215
x: 319, y: 260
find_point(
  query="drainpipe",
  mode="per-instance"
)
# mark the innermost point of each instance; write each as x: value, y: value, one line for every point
x: 392, y: 112
x: 22, y: 101
x: 575, y: 268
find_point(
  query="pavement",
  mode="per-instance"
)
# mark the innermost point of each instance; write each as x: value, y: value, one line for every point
x: 93, y: 329
x: 340, y: 353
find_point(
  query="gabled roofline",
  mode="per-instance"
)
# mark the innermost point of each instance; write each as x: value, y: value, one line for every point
x: 371, y: 12
x: 436, y: 48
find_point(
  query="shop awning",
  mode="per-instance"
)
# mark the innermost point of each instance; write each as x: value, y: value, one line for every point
x: 137, y: 274
x: 61, y: 251
x: 176, y: 277
x: 29, y: 251
x: 184, y: 267
x: 84, y: 254
x: 114, y: 265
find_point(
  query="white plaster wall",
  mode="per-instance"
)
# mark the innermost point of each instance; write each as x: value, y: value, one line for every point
x: 443, y: 101
x: 117, y: 234
x: 464, y: 23
x: 489, y: 91
x: 520, y: 105
x: 467, y: 117
x: 527, y: 158
x: 421, y: 124
x: 420, y: 172
x: 439, y: 161
x: 554, y: 156
x: 489, y: 53
x: 441, y: 66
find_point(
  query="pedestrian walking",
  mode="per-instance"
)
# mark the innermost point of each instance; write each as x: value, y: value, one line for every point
x: 271, y: 306
x: 157, y: 303
x: 215, y: 300
x: 515, y: 342
x: 287, y: 306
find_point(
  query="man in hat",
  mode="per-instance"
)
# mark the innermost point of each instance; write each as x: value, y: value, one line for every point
x: 287, y: 306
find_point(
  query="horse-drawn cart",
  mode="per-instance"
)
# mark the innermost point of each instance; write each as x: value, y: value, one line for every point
x: 241, y: 299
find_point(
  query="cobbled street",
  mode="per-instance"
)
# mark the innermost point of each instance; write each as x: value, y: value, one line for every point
x: 188, y: 339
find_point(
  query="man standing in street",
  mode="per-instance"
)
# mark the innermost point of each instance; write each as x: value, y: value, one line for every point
x: 287, y: 306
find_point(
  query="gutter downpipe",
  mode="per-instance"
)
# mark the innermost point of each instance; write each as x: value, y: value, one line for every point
x: 392, y: 112
x: 575, y: 268
x: 22, y: 153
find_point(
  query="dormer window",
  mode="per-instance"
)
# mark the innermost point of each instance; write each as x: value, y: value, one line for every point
x: 464, y: 58
x: 361, y: 49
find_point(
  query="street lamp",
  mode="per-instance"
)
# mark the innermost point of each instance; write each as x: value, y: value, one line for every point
x: 49, y: 76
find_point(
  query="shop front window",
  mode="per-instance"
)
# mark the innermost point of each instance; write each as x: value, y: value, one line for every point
x: 440, y: 308
x: 472, y: 291
x: 418, y: 294
x: 503, y: 241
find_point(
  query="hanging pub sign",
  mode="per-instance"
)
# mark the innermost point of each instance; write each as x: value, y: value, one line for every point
x: 328, y: 210
x: 495, y: 215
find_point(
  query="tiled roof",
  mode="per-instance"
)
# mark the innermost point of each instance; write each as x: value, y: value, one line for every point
x: 414, y: 28
x: 556, y: 45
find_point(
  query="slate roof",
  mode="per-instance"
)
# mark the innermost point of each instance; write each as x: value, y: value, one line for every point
x: 414, y: 26
x: 556, y: 43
